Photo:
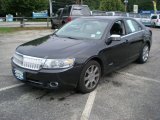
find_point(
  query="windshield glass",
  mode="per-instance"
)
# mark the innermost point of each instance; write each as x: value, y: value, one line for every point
x: 81, y: 11
x: 145, y: 16
x: 92, y: 29
x: 154, y: 17
x: 135, y: 15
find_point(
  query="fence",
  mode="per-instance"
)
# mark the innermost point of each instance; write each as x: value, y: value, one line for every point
x: 26, y: 22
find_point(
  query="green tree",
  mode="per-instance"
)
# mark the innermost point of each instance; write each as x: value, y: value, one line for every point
x: 93, y: 4
x: 110, y: 5
x: 61, y: 4
x: 142, y: 4
x: 23, y: 7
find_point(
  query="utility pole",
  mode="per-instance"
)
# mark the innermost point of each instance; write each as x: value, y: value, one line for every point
x: 155, y: 6
x: 50, y: 8
x: 81, y: 2
x: 126, y: 4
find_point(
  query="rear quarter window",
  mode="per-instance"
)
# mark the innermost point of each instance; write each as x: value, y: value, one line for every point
x: 133, y: 26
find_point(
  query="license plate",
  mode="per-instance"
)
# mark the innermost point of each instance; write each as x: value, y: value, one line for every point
x: 19, y: 74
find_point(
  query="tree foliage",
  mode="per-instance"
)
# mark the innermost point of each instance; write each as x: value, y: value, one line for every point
x: 93, y: 4
x: 23, y: 7
x: 142, y: 4
x: 26, y: 7
x: 111, y: 5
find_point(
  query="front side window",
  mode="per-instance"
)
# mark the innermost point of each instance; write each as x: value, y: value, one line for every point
x: 133, y: 26
x: 118, y: 28
x: 84, y: 29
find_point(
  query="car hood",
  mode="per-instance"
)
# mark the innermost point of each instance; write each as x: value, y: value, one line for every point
x: 53, y: 47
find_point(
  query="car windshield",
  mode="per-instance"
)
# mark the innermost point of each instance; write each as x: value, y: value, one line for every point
x: 154, y: 17
x: 134, y: 15
x: 91, y: 29
x: 145, y: 16
x: 81, y: 11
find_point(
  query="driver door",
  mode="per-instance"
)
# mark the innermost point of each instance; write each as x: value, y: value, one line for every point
x: 116, y: 52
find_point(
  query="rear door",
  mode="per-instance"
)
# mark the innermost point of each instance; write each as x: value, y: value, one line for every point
x: 134, y: 36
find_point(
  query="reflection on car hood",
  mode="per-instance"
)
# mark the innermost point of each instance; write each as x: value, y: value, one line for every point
x: 52, y: 47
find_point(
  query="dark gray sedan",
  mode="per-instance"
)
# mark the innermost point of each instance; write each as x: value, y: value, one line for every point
x: 82, y: 51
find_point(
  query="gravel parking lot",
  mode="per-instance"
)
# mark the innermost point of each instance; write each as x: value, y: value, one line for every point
x: 132, y: 93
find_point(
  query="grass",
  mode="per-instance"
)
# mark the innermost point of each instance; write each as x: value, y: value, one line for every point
x: 5, y: 30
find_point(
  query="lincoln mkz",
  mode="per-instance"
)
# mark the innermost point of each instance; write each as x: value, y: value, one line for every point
x: 79, y: 53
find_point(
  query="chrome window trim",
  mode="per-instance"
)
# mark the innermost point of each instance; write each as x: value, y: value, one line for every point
x: 132, y: 33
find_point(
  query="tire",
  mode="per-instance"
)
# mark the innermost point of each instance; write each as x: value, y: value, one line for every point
x: 53, y: 26
x: 144, y: 54
x: 154, y: 26
x: 63, y: 23
x: 90, y: 77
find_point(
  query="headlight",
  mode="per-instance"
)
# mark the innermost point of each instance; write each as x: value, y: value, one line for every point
x: 58, y: 63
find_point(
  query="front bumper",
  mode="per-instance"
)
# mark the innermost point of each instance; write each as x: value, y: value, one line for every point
x: 43, y: 78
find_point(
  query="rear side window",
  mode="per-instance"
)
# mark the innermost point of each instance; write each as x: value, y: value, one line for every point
x: 80, y: 11
x: 66, y: 11
x: 133, y: 26
x: 154, y: 17
x: 59, y: 13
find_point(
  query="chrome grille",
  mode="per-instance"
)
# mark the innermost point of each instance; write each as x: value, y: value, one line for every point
x: 32, y: 63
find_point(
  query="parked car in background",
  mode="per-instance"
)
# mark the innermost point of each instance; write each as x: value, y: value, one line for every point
x: 70, y: 12
x: 98, y: 13
x: 80, y: 52
x: 135, y: 16
x: 155, y: 20
x: 146, y: 19
x: 1, y: 19
x: 116, y: 13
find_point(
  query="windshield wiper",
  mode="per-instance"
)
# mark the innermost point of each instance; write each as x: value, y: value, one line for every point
x: 56, y: 35
x: 72, y: 38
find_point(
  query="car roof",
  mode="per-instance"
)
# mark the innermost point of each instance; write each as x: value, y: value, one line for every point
x: 105, y: 17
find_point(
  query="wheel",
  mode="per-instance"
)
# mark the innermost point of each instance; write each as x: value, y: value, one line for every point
x: 90, y: 77
x: 63, y: 23
x: 144, y: 55
x: 154, y: 25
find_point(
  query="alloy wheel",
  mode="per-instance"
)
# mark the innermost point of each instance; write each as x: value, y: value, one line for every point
x: 145, y: 53
x: 92, y: 76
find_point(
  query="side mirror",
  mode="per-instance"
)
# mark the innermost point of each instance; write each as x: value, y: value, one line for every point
x: 115, y: 37
x: 56, y: 15
x: 55, y: 30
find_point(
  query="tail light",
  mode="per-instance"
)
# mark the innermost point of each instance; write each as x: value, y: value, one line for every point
x: 68, y: 19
